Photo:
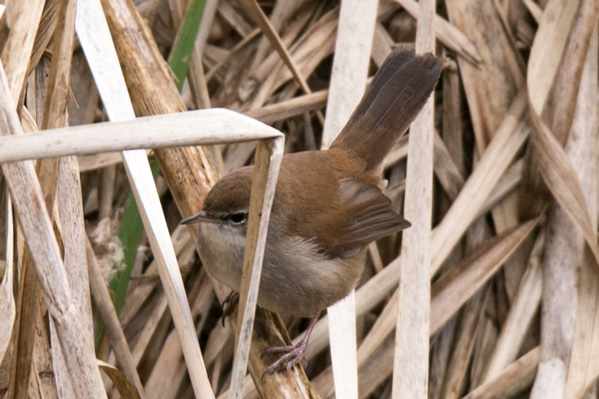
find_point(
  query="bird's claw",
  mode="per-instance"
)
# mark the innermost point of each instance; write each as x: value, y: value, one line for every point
x: 228, y: 305
x: 292, y: 355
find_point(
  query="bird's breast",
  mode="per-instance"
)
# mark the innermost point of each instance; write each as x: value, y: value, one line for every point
x: 221, y: 250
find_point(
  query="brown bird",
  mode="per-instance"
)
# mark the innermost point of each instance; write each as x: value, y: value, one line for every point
x: 327, y: 207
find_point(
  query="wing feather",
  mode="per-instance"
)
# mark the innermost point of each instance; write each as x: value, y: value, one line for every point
x: 370, y: 216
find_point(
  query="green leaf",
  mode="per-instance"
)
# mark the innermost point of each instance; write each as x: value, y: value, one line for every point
x: 181, y: 53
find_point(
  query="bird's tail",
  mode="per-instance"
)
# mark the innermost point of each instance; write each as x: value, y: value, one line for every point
x: 396, y: 94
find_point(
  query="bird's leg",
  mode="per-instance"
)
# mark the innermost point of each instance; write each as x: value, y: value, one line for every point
x: 293, y: 354
x: 229, y: 304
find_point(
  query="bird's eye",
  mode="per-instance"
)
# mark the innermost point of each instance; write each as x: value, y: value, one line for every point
x: 238, y: 217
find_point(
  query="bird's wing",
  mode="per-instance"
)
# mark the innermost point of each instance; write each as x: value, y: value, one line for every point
x: 368, y: 217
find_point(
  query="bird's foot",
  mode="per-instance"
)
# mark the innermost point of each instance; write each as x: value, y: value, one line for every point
x: 229, y: 304
x: 292, y: 355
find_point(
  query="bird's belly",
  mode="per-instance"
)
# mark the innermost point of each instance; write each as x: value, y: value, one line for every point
x: 296, y: 279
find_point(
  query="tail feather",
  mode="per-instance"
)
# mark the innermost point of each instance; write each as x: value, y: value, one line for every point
x: 398, y: 91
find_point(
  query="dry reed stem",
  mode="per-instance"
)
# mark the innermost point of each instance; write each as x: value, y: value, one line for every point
x: 161, y: 131
x: 266, y: 170
x: 582, y: 151
x: 256, y: 13
x: 549, y: 163
x: 457, y: 365
x: 524, y: 306
x: 454, y: 287
x: 474, y: 323
x: 108, y: 315
x: 310, y: 49
x: 452, y: 37
x: 61, y: 178
x: 67, y: 316
x: 498, y: 81
x: 25, y: 18
x: 501, y: 77
x: 45, y: 32
x: 7, y: 300
x: 348, y: 81
x: 285, y: 109
x: 507, y: 141
x: 70, y: 205
x: 441, y: 372
x: 139, y: 294
x: 445, y: 169
x: 513, y: 379
x: 411, y: 354
x: 26, y: 324
x: 55, y: 107
x: 282, y: 11
x: 27, y: 305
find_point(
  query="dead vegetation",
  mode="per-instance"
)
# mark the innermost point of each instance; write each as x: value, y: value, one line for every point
x: 497, y: 299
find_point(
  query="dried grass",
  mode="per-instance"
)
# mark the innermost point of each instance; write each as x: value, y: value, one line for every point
x: 500, y: 180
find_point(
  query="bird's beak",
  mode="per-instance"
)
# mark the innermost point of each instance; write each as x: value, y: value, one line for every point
x: 197, y: 218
